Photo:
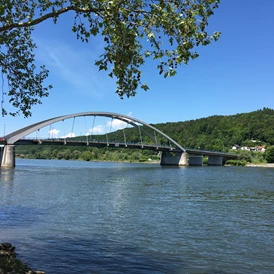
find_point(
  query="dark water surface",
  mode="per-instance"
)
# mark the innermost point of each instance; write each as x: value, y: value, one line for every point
x: 84, y: 217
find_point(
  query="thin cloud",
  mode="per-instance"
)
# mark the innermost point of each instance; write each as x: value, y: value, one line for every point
x: 100, y: 129
x: 69, y: 135
x: 74, y: 67
x: 53, y: 133
x: 109, y: 126
x: 116, y: 124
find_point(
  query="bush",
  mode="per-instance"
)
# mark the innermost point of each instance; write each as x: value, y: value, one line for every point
x: 270, y: 154
x: 86, y: 156
x: 236, y: 162
x: 205, y: 160
x: 245, y: 155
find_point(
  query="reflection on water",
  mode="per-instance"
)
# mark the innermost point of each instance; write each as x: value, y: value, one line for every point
x: 82, y: 217
x: 6, y: 175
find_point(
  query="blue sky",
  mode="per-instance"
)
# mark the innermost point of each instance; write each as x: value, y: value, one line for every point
x: 233, y: 75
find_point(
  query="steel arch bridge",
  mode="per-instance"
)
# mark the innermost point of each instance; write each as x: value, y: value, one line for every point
x: 15, y: 136
x: 174, y: 154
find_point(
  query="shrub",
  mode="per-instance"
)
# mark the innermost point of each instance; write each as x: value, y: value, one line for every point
x: 236, y: 162
x: 270, y: 154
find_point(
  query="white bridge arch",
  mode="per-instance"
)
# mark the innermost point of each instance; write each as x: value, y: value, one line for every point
x: 13, y: 137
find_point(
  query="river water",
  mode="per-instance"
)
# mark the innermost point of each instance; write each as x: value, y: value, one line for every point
x: 91, y: 217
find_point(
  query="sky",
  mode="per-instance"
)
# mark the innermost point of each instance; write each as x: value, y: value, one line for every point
x: 233, y: 75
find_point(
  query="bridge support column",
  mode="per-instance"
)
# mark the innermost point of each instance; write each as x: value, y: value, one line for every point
x: 215, y: 161
x: 174, y: 158
x: 195, y: 160
x: 8, y: 156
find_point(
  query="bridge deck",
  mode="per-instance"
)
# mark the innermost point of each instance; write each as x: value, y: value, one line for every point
x: 101, y: 144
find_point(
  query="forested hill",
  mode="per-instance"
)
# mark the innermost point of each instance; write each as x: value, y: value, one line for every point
x: 222, y: 132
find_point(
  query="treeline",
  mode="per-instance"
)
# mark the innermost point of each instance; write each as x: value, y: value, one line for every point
x: 85, y: 153
x: 222, y: 132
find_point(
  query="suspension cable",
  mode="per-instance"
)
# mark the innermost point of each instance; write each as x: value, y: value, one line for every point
x: 86, y: 131
x: 72, y: 129
x: 125, y: 139
x: 110, y: 128
x: 49, y: 131
x: 140, y: 134
x: 64, y: 131
x: 155, y: 138
x: 93, y: 126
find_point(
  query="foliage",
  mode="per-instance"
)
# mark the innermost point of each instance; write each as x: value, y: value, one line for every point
x: 222, y: 132
x: 85, y: 153
x: 244, y: 155
x: 218, y: 133
x: 167, y: 31
x: 236, y: 162
x: 270, y: 154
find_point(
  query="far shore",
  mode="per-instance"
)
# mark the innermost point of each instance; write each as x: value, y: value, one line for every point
x: 260, y: 165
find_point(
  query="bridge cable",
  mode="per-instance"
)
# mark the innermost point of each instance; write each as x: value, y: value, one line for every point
x: 93, y: 126
x: 125, y: 139
x: 156, y: 142
x: 72, y: 129
x: 39, y: 138
x: 38, y: 134
x: 64, y: 131
x: 110, y: 128
x: 49, y: 131
x: 86, y: 130
x: 140, y: 134
x: 107, y: 138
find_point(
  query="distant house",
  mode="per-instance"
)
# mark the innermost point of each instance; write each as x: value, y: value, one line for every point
x: 236, y: 147
x: 257, y: 148
x: 248, y: 148
x: 260, y: 148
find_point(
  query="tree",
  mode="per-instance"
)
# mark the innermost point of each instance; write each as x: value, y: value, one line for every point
x: 169, y: 31
x: 270, y: 154
x: 86, y: 156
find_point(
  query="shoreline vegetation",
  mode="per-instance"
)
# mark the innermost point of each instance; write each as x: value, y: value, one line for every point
x: 10, y: 264
x: 260, y: 165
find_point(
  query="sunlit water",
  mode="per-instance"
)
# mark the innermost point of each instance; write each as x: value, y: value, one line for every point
x: 84, y: 217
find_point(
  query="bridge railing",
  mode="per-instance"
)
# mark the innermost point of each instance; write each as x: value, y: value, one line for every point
x: 116, y: 143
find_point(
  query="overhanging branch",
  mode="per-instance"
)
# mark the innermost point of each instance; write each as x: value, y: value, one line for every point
x: 47, y: 16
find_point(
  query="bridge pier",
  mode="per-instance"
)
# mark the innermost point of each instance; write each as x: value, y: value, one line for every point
x: 215, y: 161
x: 7, y: 156
x: 195, y: 160
x: 174, y: 158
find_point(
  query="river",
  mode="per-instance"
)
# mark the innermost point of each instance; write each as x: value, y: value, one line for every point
x: 93, y: 217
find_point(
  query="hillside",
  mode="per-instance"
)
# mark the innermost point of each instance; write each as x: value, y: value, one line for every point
x: 222, y: 132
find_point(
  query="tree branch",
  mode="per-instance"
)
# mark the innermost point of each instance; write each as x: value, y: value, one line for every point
x: 45, y: 17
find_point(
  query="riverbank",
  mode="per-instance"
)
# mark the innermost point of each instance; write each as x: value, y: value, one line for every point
x: 10, y: 264
x: 260, y: 165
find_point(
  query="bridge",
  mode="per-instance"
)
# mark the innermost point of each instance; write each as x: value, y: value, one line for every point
x: 172, y: 153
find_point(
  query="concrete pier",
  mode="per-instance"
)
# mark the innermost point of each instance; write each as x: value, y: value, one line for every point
x: 8, y: 156
x: 195, y: 160
x: 215, y: 161
x: 174, y: 158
